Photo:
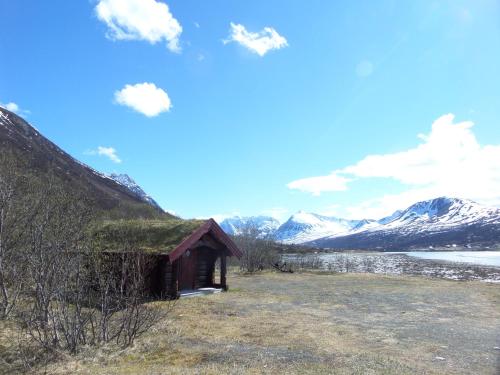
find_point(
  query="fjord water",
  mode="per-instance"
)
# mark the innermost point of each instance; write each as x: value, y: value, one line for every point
x: 484, y: 258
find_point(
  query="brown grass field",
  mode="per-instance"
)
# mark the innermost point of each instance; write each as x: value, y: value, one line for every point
x: 309, y: 323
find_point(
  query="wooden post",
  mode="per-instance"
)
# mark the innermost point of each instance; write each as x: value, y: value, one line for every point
x: 212, y: 276
x: 175, y: 280
x: 223, y: 284
x: 164, y: 287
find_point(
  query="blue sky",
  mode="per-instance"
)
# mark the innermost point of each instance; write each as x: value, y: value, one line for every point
x: 266, y: 106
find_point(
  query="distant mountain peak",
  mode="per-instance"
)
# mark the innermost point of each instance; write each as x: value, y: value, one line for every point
x: 266, y: 226
x: 128, y: 182
x: 305, y: 226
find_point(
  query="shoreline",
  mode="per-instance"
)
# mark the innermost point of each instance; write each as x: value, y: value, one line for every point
x: 396, y: 263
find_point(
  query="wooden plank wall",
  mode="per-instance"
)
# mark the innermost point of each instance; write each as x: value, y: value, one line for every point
x: 168, y: 277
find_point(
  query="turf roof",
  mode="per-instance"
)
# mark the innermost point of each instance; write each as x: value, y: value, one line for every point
x: 149, y: 236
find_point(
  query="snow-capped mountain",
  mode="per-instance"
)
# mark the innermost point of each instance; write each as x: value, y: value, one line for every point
x: 126, y: 181
x: 441, y: 212
x: 303, y: 227
x: 265, y: 226
x: 437, y: 222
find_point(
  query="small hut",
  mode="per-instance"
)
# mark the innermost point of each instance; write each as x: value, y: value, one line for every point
x: 178, y: 256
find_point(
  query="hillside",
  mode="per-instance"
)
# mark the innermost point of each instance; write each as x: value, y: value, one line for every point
x: 32, y: 154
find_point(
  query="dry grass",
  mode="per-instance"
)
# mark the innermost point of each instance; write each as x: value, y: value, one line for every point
x: 316, y: 323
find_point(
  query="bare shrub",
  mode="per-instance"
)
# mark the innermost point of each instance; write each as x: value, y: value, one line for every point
x: 55, y: 258
x: 49, y: 259
x: 309, y: 262
x: 303, y: 262
x: 120, y: 293
x: 344, y: 263
x: 368, y: 264
x: 258, y: 252
x: 15, y: 213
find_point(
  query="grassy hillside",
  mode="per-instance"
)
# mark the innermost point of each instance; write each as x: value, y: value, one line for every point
x: 26, y: 152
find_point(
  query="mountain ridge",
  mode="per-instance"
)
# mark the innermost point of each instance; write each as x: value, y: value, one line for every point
x: 441, y: 221
x: 265, y: 226
x: 30, y: 152
x: 438, y: 221
x: 127, y: 181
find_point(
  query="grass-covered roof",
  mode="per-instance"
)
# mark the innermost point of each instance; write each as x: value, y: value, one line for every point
x: 149, y: 236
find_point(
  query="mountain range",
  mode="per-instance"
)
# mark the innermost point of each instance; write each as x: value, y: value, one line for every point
x: 442, y: 221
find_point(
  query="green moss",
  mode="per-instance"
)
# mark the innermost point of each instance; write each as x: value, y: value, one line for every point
x: 150, y: 236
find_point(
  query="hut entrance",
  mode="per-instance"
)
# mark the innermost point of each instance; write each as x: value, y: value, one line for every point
x: 197, y: 268
x: 205, y: 264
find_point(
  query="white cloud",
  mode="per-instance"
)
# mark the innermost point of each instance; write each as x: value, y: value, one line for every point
x: 332, y: 210
x: 145, y: 98
x: 14, y: 107
x: 387, y: 204
x: 108, y: 152
x: 258, y: 42
x: 148, y: 20
x: 317, y: 185
x: 449, y: 161
x: 219, y: 218
x: 278, y: 213
x: 171, y: 212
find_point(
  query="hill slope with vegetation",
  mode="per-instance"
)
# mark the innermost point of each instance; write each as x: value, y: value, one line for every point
x: 28, y: 153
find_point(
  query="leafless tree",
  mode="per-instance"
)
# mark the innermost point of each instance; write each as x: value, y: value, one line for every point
x: 55, y: 259
x: 15, y: 213
x: 344, y: 263
x: 49, y: 260
x: 368, y: 263
x: 74, y: 294
x: 258, y: 251
x: 305, y: 262
x: 121, y: 292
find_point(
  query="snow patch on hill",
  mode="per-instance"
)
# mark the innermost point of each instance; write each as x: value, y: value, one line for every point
x: 127, y: 181
x: 264, y: 226
x: 304, y: 226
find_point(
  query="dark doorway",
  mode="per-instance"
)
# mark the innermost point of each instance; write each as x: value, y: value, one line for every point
x: 205, y: 264
x: 187, y: 270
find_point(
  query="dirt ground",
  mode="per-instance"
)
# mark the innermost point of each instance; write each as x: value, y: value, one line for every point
x: 316, y: 323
